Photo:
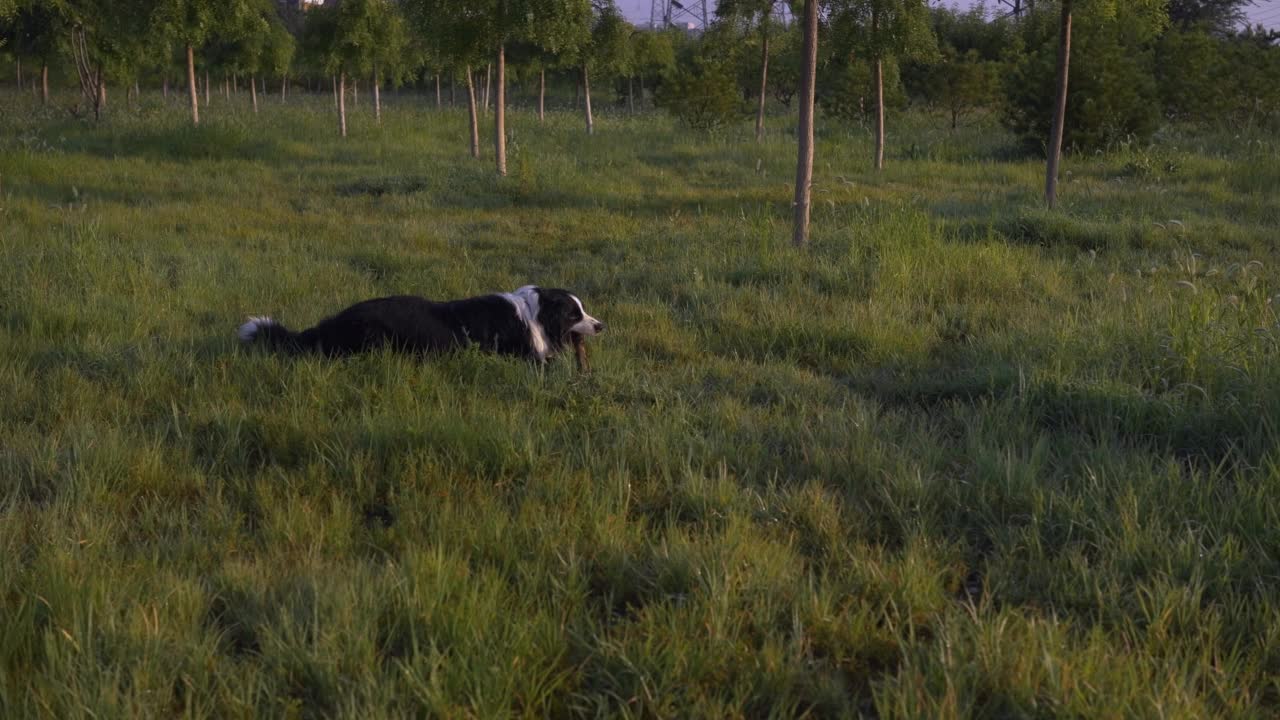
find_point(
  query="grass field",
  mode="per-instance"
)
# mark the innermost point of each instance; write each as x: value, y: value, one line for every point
x: 964, y: 457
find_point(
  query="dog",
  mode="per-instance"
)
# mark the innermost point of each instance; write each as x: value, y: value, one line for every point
x: 532, y: 322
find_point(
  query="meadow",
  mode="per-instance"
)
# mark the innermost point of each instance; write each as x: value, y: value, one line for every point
x: 962, y: 457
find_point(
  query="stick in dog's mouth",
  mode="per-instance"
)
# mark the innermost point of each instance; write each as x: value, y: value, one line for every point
x: 580, y: 351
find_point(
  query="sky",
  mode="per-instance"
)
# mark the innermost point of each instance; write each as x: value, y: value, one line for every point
x: 1266, y: 12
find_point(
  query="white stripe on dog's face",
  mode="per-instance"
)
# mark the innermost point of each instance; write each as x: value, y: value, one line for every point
x: 587, y: 325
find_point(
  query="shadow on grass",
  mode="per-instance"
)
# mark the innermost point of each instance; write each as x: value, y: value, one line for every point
x: 1222, y: 434
x: 391, y: 185
x: 1199, y: 433
x: 180, y: 144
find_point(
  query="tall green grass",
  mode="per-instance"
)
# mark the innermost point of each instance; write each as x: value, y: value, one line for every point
x: 963, y: 457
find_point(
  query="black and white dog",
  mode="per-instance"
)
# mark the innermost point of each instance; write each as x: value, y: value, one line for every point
x: 531, y: 322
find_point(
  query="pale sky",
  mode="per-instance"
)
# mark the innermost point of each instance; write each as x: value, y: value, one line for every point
x: 1266, y: 12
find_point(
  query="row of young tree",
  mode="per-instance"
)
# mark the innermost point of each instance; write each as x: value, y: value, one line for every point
x: 344, y: 42
x: 1073, y: 73
x: 1079, y: 74
x: 1128, y: 78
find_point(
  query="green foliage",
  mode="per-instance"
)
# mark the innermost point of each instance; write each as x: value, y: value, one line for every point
x: 653, y: 53
x: 34, y: 29
x: 959, y: 84
x: 848, y: 90
x: 609, y: 50
x: 1192, y: 75
x: 1112, y: 94
x: 702, y: 92
x: 880, y: 29
x: 966, y: 74
x: 1219, y: 17
x: 972, y: 30
x: 117, y: 34
x: 1206, y: 79
x: 561, y: 27
x: 253, y: 39
x: 354, y: 36
x: 784, y: 63
x: 468, y: 31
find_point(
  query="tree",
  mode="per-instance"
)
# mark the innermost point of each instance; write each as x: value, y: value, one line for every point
x: 960, y: 84
x: 244, y: 36
x: 804, y: 160
x: 966, y: 75
x: 881, y: 29
x: 34, y: 30
x: 454, y: 33
x: 347, y: 38
x: 1211, y: 79
x: 1141, y: 14
x: 466, y: 30
x: 252, y: 39
x: 760, y: 13
x: 606, y: 50
x: 702, y: 93
x: 1218, y: 17
x: 189, y: 25
x: 848, y: 90
x: 390, y: 57
x: 1191, y: 75
x: 278, y: 54
x: 107, y: 39
x: 1059, y: 105
x: 653, y: 56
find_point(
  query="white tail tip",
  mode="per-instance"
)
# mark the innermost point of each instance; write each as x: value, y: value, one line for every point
x: 249, y: 330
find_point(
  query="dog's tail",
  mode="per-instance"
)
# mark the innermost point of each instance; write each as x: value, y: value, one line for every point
x: 268, y: 332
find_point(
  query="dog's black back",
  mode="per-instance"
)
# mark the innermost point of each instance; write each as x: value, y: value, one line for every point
x: 415, y: 324
x: 530, y: 322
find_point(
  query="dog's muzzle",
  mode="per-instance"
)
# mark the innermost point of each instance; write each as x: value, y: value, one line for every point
x: 587, y: 326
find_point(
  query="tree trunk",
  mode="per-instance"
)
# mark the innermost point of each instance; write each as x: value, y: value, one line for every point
x: 226, y: 88
x: 804, y: 160
x: 191, y: 85
x: 164, y: 88
x: 235, y: 84
x: 355, y: 92
x: 1059, y: 110
x: 488, y: 81
x: 586, y: 96
x: 101, y: 104
x: 342, y: 103
x: 542, y: 94
x: 471, y: 111
x: 764, y: 77
x: 879, y: 114
x: 335, y: 92
x: 631, y: 98
x: 377, y: 98
x: 253, y: 92
x: 437, y: 91
x: 284, y: 87
x: 641, y: 80
x: 206, y: 88
x: 19, y: 75
x: 499, y: 114
x: 44, y: 85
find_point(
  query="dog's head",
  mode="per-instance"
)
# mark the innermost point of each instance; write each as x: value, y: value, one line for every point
x: 561, y: 315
